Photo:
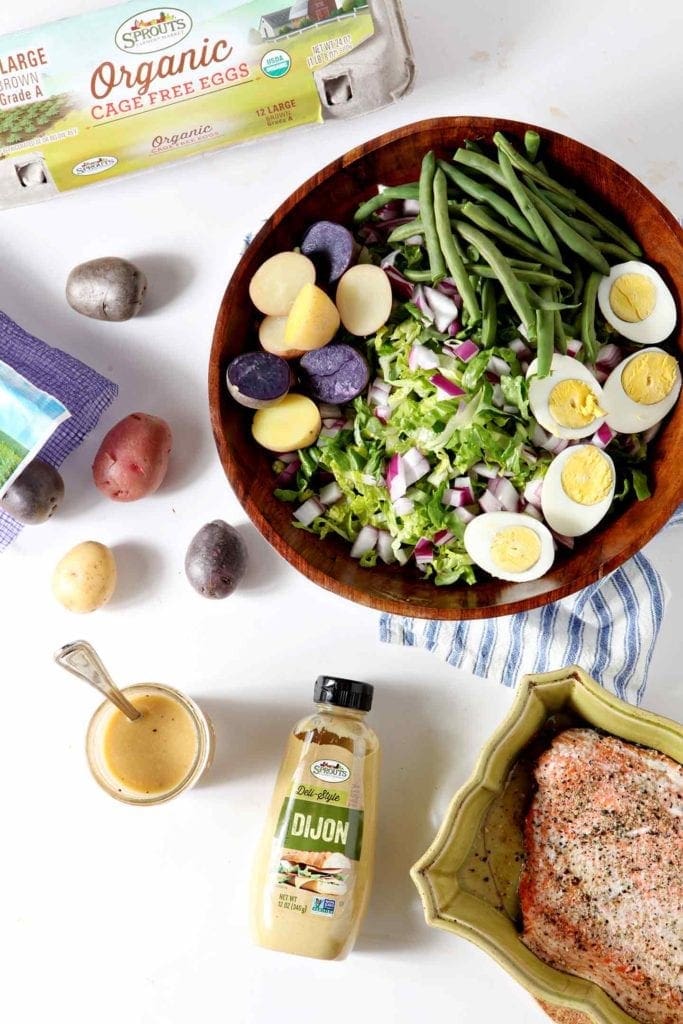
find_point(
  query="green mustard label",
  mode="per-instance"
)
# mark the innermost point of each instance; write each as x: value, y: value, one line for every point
x: 304, y: 825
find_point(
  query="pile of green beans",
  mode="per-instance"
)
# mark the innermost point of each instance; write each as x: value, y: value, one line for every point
x: 478, y: 217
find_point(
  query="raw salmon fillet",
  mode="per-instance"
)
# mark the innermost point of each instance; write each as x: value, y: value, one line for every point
x: 602, y: 888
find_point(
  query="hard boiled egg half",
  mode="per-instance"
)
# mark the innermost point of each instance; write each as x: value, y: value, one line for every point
x: 641, y: 390
x: 635, y: 301
x: 577, y: 489
x: 568, y: 402
x: 509, y: 545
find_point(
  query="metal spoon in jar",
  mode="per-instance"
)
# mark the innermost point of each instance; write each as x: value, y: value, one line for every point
x: 82, y: 660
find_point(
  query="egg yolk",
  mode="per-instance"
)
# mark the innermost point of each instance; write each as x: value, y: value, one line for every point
x: 516, y: 548
x: 573, y: 404
x: 587, y: 476
x: 649, y: 377
x: 633, y: 297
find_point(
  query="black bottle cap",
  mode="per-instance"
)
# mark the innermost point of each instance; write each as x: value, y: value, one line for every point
x: 345, y: 693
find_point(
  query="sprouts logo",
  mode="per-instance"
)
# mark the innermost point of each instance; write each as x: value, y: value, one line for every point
x: 155, y: 29
x: 330, y: 771
x: 94, y: 165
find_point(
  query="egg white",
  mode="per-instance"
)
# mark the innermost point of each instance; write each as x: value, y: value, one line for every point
x: 561, y: 368
x: 479, y: 535
x: 562, y: 513
x: 658, y: 325
x: 629, y: 417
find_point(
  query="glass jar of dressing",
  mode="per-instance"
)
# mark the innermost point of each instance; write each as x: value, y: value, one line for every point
x: 313, y: 869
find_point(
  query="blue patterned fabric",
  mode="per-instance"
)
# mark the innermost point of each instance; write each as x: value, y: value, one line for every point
x: 610, y: 629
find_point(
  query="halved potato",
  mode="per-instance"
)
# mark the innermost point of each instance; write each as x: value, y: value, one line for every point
x: 292, y: 423
x: 313, y: 319
x: 278, y: 281
x: 364, y: 299
x: 271, y: 334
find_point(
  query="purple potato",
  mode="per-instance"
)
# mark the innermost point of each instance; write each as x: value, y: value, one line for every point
x: 331, y: 247
x: 258, y: 379
x: 216, y: 560
x: 109, y: 288
x: 35, y: 495
x: 335, y: 374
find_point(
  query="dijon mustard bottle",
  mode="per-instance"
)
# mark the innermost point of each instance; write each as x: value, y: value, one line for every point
x: 313, y: 869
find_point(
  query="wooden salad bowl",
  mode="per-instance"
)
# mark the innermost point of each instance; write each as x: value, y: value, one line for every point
x: 335, y: 192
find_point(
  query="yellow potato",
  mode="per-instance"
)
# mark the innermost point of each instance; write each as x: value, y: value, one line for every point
x: 85, y: 578
x: 313, y: 320
x: 278, y: 281
x: 271, y: 334
x: 364, y: 299
x: 292, y: 423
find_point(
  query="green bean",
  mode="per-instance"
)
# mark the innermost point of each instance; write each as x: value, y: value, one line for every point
x: 404, y: 231
x: 583, y: 247
x: 590, y: 344
x: 375, y: 203
x: 578, y: 281
x: 532, y: 143
x: 473, y: 146
x: 418, y: 276
x: 563, y: 202
x: 584, y: 227
x: 529, y: 276
x: 614, y: 250
x: 482, y: 219
x: 489, y: 321
x: 545, y: 335
x: 541, y: 231
x: 478, y: 162
x: 485, y: 194
x: 514, y: 289
x: 560, y: 336
x: 524, y: 264
x: 542, y: 178
x: 426, y: 198
x: 450, y: 248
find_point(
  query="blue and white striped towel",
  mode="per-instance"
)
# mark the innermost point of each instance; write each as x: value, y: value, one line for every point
x: 609, y: 629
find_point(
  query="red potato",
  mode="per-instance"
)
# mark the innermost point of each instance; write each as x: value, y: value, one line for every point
x: 133, y: 457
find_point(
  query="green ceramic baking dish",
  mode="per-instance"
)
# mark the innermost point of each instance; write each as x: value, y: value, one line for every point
x: 468, y: 877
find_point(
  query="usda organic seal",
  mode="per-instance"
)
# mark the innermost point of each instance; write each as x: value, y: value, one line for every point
x: 275, y: 63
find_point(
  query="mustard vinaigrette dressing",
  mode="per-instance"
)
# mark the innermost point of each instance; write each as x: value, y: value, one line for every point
x: 313, y: 869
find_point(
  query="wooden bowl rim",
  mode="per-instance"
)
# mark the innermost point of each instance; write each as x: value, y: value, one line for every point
x: 383, y: 603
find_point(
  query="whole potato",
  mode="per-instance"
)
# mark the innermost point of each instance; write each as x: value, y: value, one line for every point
x: 108, y: 288
x: 216, y: 560
x: 133, y: 458
x: 85, y: 578
x: 35, y: 495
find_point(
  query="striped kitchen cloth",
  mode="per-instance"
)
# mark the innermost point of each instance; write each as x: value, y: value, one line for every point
x: 609, y: 629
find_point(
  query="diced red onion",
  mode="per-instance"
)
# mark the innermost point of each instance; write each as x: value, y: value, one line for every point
x: 498, y: 366
x: 524, y: 367
x: 555, y: 444
x: 333, y: 421
x: 384, y: 547
x: 383, y: 412
x: 465, y: 515
x: 648, y: 435
x: 539, y: 436
x: 603, y: 436
x: 289, y: 457
x: 498, y: 398
x: 368, y: 234
x: 379, y: 392
x: 329, y: 411
x: 465, y: 350
x: 529, y: 457
x: 390, y: 210
x: 415, y: 465
x: 329, y: 431
x: 415, y: 240
x: 288, y: 473
x: 566, y: 542
x: 442, y: 537
x: 456, y: 498
x: 505, y: 493
x: 424, y: 552
x: 389, y: 259
x: 411, y: 207
x: 403, y: 506
x: 534, y: 512
x: 520, y: 348
x: 440, y: 303
x: 364, y: 542
x: 422, y: 358
x: 454, y: 329
x: 309, y: 511
x: 608, y: 357
x: 574, y: 347
x: 450, y: 288
x: 487, y: 472
x: 489, y: 502
x: 396, y: 477
x: 600, y: 375
x: 532, y: 491
x: 463, y: 482
x: 331, y: 493
x: 446, y: 388
x: 420, y: 301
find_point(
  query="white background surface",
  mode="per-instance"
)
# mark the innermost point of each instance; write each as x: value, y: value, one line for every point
x: 117, y: 914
